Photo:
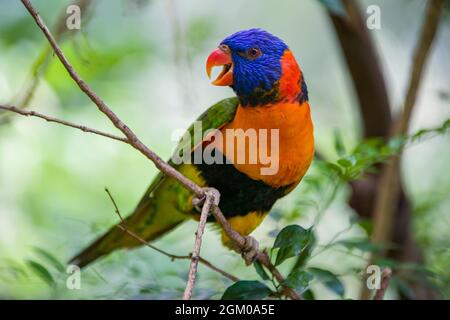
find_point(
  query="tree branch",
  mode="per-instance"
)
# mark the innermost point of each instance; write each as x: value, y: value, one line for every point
x: 83, y: 128
x: 390, y: 184
x: 103, y: 107
x: 134, y: 141
x: 389, y: 187
x: 220, y: 218
x: 211, y: 198
x: 365, y: 70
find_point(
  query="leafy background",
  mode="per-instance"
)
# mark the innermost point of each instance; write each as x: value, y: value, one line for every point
x: 146, y: 59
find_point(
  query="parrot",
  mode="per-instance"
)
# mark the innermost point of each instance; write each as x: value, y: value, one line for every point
x: 271, y: 94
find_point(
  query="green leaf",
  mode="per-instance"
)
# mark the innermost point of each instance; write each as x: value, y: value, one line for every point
x: 329, y: 279
x: 260, y: 270
x: 306, y: 253
x: 292, y: 240
x: 50, y: 259
x: 345, y: 163
x: 246, y: 290
x: 396, y: 143
x: 338, y: 143
x: 298, y: 280
x: 308, y: 295
x: 41, y: 272
x: 446, y: 124
x: 334, y: 168
x: 366, y: 224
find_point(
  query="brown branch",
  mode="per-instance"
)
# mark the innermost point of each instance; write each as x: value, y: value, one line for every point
x: 83, y: 128
x: 213, y: 267
x: 389, y: 184
x: 385, y: 278
x: 134, y: 141
x: 211, y: 198
x: 428, y: 34
x: 365, y: 70
x: 122, y: 226
x: 103, y: 107
x: 389, y: 187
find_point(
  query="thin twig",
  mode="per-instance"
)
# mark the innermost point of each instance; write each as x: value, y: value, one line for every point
x: 385, y: 278
x: 134, y: 141
x: 213, y: 267
x: 31, y: 113
x: 192, y: 275
x: 122, y: 226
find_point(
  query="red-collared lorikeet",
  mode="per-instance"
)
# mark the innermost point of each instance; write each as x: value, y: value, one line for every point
x: 271, y: 94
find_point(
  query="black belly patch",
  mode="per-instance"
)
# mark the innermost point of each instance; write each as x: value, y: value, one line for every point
x: 239, y: 194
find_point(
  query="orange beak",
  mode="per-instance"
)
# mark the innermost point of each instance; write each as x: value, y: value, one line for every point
x: 220, y: 58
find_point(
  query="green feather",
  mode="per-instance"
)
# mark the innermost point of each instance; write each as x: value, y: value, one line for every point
x: 166, y: 203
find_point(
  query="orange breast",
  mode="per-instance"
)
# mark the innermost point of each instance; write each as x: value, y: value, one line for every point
x: 281, y: 159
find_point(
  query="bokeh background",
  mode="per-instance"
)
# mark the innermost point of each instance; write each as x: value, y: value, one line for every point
x: 146, y: 60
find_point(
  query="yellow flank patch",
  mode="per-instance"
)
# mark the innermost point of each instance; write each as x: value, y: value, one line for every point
x: 192, y: 173
x: 244, y: 225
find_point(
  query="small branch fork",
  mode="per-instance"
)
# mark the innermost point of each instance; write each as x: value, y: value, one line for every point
x: 211, y: 198
x: 130, y: 138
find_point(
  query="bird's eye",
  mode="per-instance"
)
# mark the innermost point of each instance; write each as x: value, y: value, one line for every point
x: 224, y: 48
x: 253, y: 53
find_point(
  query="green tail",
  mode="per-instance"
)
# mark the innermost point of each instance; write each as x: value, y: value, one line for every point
x: 165, y: 205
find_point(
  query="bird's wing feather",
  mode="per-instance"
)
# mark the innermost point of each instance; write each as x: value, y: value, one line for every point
x: 166, y: 203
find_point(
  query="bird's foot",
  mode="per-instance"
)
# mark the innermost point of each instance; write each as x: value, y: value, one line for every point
x: 250, y: 250
x: 211, y: 192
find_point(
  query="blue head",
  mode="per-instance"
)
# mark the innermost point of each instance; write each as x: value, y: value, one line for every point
x: 251, y: 61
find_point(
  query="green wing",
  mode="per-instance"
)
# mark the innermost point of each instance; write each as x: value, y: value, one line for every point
x: 166, y: 203
x: 214, y: 117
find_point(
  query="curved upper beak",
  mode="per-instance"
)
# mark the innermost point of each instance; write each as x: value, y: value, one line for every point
x: 220, y: 58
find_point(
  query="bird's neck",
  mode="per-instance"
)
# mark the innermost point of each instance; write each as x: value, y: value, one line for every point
x: 290, y: 88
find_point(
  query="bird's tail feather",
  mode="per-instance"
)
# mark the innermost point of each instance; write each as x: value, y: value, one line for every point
x: 97, y: 249
x: 148, y: 222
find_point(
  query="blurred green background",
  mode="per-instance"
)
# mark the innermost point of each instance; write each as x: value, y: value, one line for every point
x: 146, y: 60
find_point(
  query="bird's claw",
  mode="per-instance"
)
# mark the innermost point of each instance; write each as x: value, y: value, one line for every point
x: 212, y: 192
x: 250, y: 250
x: 198, y: 202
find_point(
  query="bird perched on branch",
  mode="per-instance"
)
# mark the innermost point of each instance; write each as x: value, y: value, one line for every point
x: 260, y: 149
